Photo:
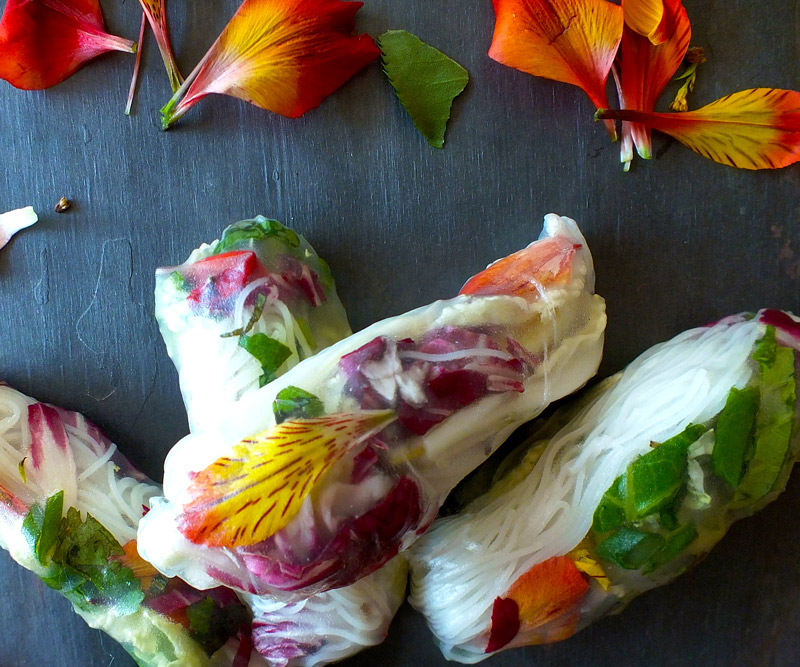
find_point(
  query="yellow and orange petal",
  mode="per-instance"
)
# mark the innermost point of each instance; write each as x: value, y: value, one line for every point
x: 643, y: 70
x: 757, y: 128
x: 542, y: 264
x: 245, y: 498
x: 572, y: 41
x: 547, y: 601
x: 142, y: 570
x: 646, y: 18
x: 285, y: 56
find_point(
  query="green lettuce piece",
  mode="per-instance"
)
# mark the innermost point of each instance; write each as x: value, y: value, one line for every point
x: 258, y: 229
x: 676, y: 543
x: 774, y: 422
x: 733, y: 441
x: 425, y: 79
x: 654, y: 480
x: 269, y: 352
x: 296, y: 403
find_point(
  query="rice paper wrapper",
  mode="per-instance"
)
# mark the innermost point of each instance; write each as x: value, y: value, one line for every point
x: 317, y: 479
x: 70, y: 505
x: 618, y: 493
x: 241, y: 311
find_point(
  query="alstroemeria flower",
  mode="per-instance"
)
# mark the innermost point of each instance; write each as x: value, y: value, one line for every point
x: 647, y: 18
x: 43, y: 42
x: 282, y: 55
x: 13, y: 221
x: 642, y: 71
x: 572, y: 41
x: 752, y: 129
x: 156, y: 13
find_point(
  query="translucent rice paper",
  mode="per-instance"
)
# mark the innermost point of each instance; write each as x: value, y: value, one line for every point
x: 590, y: 512
x: 404, y: 409
x: 259, y: 280
x: 46, y: 452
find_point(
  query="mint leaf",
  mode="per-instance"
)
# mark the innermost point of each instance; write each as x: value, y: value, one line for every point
x: 296, y: 403
x: 610, y: 513
x: 258, y: 229
x: 733, y: 435
x: 655, y: 479
x: 426, y: 81
x: 269, y: 352
x: 675, y: 545
x: 40, y: 526
x: 85, y: 569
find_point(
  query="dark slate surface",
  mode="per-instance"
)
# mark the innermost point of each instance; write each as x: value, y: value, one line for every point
x: 677, y: 242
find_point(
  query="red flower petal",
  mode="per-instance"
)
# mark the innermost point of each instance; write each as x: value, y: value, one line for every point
x: 43, y: 42
x: 752, y: 129
x: 643, y: 70
x: 282, y: 55
x: 156, y: 13
x: 573, y: 41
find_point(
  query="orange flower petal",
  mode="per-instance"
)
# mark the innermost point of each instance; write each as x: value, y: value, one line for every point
x: 43, y: 42
x: 546, y: 595
x: 752, y: 129
x: 540, y: 265
x: 245, y: 498
x: 643, y: 70
x: 647, y: 18
x: 282, y: 55
x: 573, y: 41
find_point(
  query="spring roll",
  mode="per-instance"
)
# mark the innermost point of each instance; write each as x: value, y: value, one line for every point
x: 241, y: 311
x: 319, y: 478
x: 620, y: 493
x: 70, y: 504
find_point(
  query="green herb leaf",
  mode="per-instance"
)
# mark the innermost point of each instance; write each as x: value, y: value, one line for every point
x: 84, y: 567
x: 40, y: 526
x: 257, y: 229
x: 630, y: 548
x: 675, y: 546
x: 269, y: 352
x: 211, y: 626
x: 733, y: 441
x: 655, y: 479
x: 774, y: 422
x: 426, y: 81
x: 296, y: 403
x: 610, y: 513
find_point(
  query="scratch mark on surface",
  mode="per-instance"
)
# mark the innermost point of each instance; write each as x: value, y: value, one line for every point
x: 41, y: 290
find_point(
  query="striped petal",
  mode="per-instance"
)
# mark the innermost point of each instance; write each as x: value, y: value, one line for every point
x: 50, y: 462
x: 44, y: 42
x: 646, y: 18
x: 573, y: 41
x: 643, y: 70
x: 282, y: 55
x: 757, y: 128
x: 245, y: 498
x: 156, y: 13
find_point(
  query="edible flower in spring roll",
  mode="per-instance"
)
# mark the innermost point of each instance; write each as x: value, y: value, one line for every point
x: 322, y: 476
x: 623, y: 492
x: 70, y: 504
x: 242, y: 310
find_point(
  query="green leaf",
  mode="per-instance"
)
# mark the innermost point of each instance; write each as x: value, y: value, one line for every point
x: 675, y: 546
x: 774, y: 422
x: 655, y: 479
x: 84, y: 567
x: 733, y: 436
x: 296, y: 403
x: 630, y: 548
x: 257, y: 229
x: 269, y: 352
x: 610, y: 513
x: 211, y: 626
x: 40, y: 526
x: 426, y: 81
